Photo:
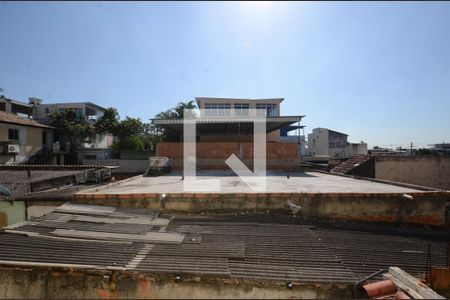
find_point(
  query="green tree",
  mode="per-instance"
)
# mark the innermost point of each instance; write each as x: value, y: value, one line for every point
x: 76, y: 129
x: 177, y: 112
x: 130, y: 127
x: 109, y: 122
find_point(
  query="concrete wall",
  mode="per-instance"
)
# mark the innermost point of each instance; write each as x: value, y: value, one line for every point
x: 94, y: 154
x: 213, y: 155
x: 337, y: 144
x: 47, y: 282
x: 132, y: 166
x: 431, y: 171
x: 356, y: 148
x: 425, y: 208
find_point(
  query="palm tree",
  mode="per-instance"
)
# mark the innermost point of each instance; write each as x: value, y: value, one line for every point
x: 174, y: 113
x: 168, y: 114
x: 179, y: 109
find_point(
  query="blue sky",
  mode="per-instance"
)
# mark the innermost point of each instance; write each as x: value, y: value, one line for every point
x: 378, y: 71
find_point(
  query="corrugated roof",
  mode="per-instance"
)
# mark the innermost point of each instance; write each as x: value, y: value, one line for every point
x: 138, y: 240
x: 15, y: 119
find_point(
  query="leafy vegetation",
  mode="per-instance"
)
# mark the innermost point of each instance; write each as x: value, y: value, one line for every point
x: 77, y: 130
x: 177, y: 112
x: 131, y: 133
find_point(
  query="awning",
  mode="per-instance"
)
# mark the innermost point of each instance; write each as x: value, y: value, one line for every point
x: 227, y: 126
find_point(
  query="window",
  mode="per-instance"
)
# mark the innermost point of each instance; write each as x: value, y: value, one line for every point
x: 79, y: 113
x: 47, y: 110
x: 212, y: 109
x: 269, y: 110
x: 241, y: 109
x: 13, y: 134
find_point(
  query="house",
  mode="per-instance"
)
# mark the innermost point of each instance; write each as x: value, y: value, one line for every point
x: 225, y: 127
x: 22, y: 138
x: 15, y: 107
x: 327, y: 143
x: 98, y: 148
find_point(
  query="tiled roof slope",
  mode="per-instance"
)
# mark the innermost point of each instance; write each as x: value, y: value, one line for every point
x: 351, y: 163
x: 15, y: 119
x: 18, y: 182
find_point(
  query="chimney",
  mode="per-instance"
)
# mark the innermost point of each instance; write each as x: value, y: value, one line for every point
x: 34, y: 101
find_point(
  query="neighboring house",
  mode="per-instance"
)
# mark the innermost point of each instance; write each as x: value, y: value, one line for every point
x: 15, y: 107
x: 327, y: 143
x: 21, y: 138
x: 42, y: 112
x: 99, y: 145
x: 220, y: 134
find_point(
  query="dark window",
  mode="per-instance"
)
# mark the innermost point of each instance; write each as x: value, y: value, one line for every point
x: 47, y: 110
x: 13, y: 134
x: 44, y: 137
x: 270, y: 110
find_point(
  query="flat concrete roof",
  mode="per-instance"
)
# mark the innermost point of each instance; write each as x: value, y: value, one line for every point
x: 277, y: 182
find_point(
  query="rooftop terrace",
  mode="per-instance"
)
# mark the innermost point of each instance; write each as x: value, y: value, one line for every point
x: 277, y: 182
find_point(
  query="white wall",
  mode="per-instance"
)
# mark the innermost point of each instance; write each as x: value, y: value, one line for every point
x: 318, y: 142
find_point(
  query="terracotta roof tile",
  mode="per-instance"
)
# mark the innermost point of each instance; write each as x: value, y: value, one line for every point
x: 15, y: 119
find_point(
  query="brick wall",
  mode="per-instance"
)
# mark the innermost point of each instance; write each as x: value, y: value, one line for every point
x: 213, y: 155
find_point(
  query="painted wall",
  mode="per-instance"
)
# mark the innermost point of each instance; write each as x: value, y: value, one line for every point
x: 30, y: 141
x: 318, y: 142
x: 431, y: 171
x: 11, y: 212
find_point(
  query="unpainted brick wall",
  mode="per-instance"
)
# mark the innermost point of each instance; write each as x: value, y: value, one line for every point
x: 213, y: 155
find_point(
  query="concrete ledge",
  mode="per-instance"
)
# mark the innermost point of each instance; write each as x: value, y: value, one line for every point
x: 424, y: 207
x: 396, y: 183
x: 47, y: 282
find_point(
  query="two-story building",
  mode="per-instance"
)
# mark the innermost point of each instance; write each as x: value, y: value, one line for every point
x: 98, y: 147
x: 326, y: 143
x: 22, y: 138
x: 225, y: 127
